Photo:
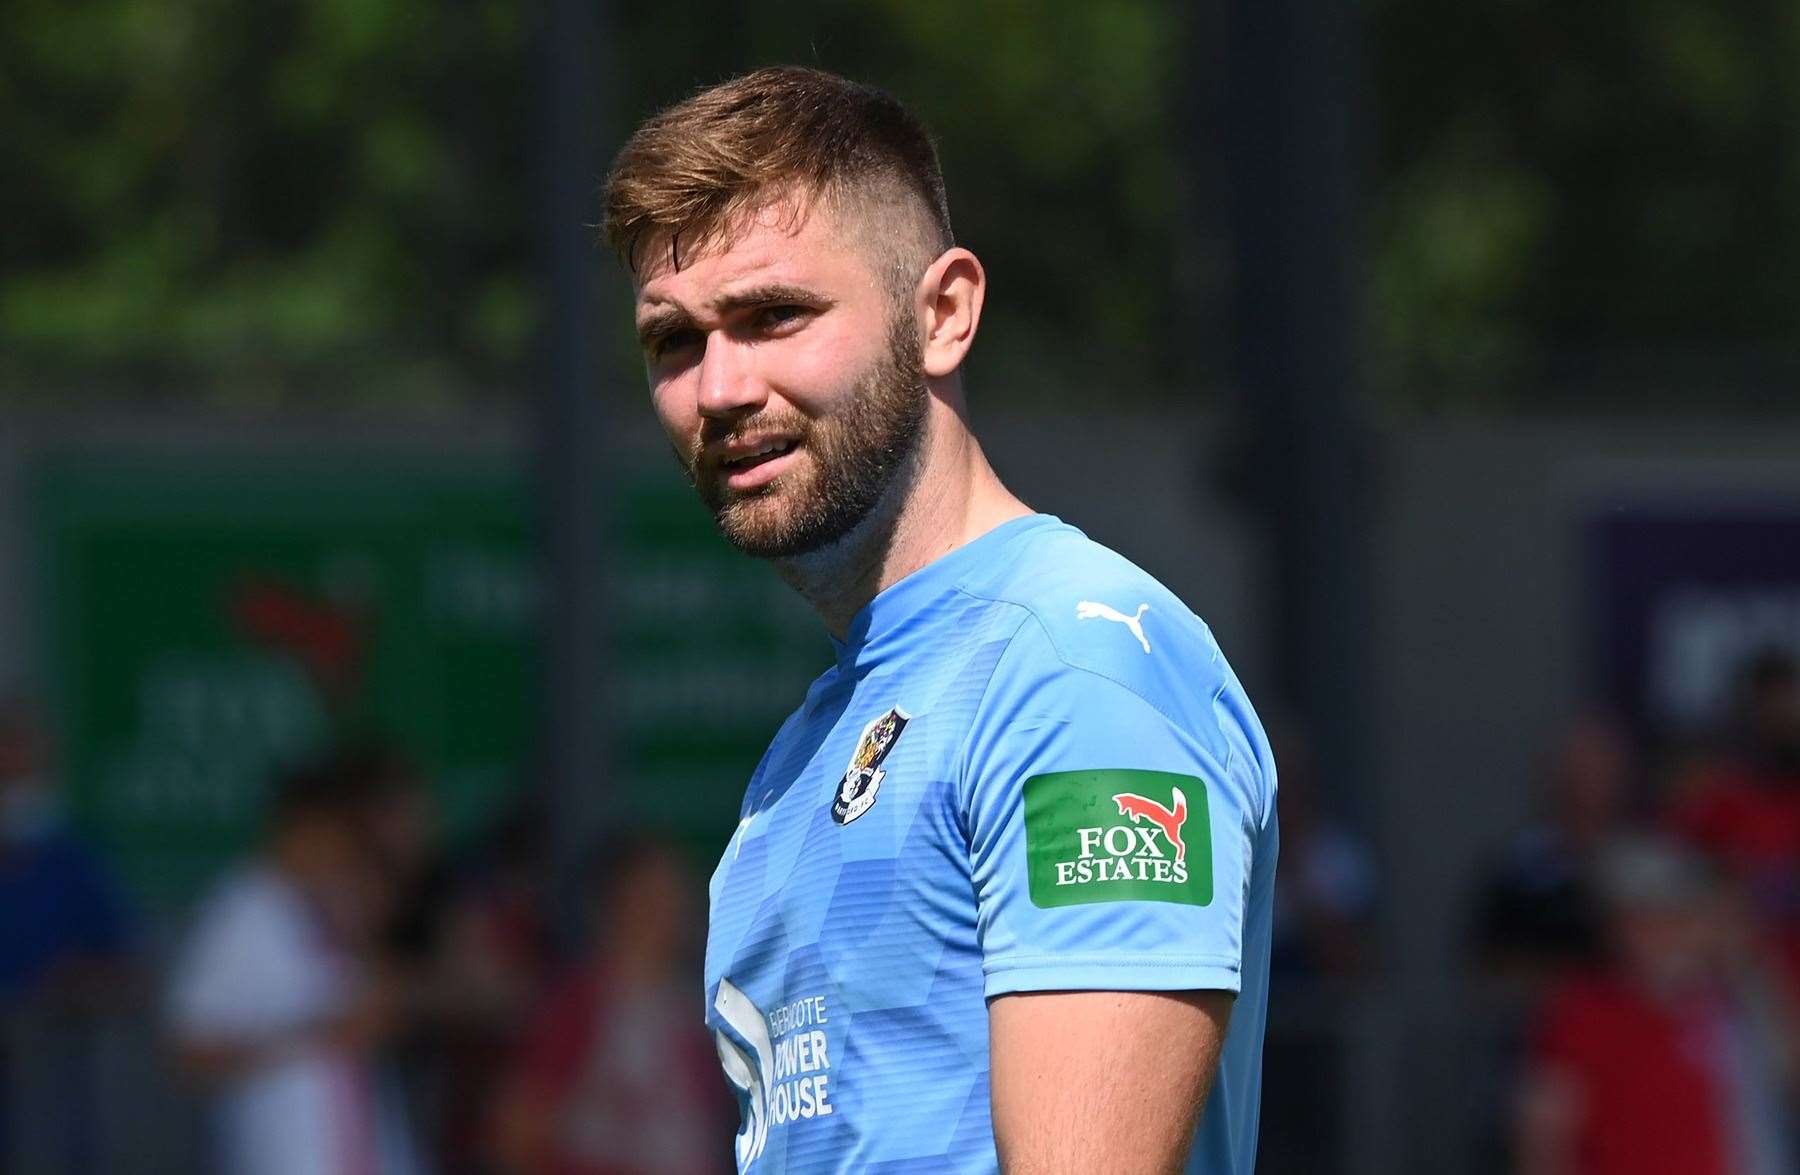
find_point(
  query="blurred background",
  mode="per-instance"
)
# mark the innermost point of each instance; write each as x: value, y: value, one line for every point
x: 370, y: 677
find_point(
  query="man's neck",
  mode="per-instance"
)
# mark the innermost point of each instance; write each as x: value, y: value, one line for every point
x: 948, y: 497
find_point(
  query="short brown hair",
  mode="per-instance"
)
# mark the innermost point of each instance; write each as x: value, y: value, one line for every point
x: 690, y: 174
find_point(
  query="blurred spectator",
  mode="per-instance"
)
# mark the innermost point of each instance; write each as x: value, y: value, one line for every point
x: 401, y: 820
x: 277, y: 1004
x: 1743, y: 806
x: 1537, y: 914
x: 62, y: 916
x: 64, y: 943
x: 1659, y: 1059
x: 475, y: 944
x: 1325, y: 883
x: 423, y: 1061
x: 617, y: 1075
x: 1324, y: 909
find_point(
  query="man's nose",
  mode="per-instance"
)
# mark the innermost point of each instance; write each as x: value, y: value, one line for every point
x: 729, y: 383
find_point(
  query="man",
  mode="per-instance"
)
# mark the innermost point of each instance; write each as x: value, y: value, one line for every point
x: 64, y: 925
x: 65, y: 928
x: 1667, y: 1055
x: 274, y: 1003
x: 1000, y: 890
x: 1537, y: 917
x: 1743, y: 806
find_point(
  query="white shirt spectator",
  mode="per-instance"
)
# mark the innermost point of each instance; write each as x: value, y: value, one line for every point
x: 260, y: 970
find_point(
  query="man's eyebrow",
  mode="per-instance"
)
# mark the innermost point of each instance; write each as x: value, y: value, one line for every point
x: 667, y: 319
x: 658, y: 323
x: 771, y: 294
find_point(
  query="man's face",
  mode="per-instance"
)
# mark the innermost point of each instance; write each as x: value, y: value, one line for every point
x: 787, y: 379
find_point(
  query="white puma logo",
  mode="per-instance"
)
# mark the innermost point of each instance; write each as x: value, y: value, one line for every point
x: 1089, y: 610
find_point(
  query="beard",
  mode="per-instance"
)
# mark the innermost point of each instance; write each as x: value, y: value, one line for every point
x: 856, y: 456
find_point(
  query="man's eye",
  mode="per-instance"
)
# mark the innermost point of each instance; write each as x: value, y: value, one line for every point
x: 774, y: 316
x: 675, y: 340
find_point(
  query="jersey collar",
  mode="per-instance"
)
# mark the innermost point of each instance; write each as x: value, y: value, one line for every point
x: 884, y: 624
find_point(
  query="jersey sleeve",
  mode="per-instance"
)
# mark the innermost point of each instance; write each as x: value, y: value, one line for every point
x: 1112, y: 833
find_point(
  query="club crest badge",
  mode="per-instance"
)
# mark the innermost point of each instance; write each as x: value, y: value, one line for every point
x: 856, y: 791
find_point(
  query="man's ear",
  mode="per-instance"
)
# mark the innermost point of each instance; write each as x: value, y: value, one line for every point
x: 948, y: 300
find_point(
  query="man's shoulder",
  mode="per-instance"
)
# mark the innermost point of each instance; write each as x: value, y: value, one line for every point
x: 1092, y: 610
x: 1103, y: 643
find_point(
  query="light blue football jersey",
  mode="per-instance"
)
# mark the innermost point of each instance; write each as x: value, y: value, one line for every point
x: 1030, y: 769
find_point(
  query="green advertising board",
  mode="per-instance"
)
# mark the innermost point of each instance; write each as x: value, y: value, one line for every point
x: 211, y: 618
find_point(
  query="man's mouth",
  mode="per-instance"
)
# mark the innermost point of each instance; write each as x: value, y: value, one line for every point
x: 749, y: 456
x: 753, y: 465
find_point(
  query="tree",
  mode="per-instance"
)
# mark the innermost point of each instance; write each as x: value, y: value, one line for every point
x: 1591, y: 199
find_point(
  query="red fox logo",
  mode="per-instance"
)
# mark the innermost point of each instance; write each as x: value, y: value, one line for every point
x: 1140, y: 807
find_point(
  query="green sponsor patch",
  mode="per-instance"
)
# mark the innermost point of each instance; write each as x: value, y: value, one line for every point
x: 1118, y: 836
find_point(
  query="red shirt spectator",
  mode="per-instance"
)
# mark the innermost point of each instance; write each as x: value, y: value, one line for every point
x: 1644, y: 1081
x: 1749, y: 821
x: 1745, y: 809
x: 618, y: 1075
x: 1660, y: 1062
x: 625, y: 1082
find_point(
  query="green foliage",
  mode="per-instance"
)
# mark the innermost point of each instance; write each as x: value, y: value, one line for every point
x: 284, y: 200
x: 1582, y: 195
x: 297, y: 200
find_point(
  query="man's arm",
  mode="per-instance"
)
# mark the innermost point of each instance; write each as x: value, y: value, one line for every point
x: 1102, y: 1080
